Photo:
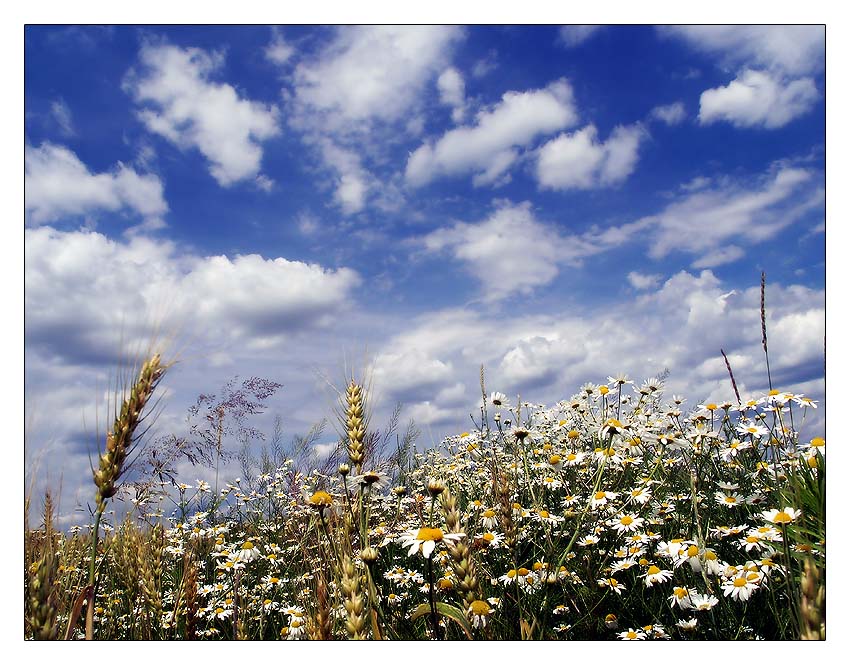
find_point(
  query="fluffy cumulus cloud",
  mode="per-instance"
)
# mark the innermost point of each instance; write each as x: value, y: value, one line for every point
x: 491, y: 146
x: 57, y: 186
x: 182, y: 103
x: 776, y: 64
x: 689, y: 317
x: 86, y: 294
x: 580, y: 161
x: 756, y: 99
x: 360, y: 92
x: 509, y: 252
x: 371, y: 73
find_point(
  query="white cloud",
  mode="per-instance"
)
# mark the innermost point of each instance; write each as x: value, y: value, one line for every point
x: 580, y: 161
x: 689, y: 318
x: 509, y: 252
x: 775, y: 65
x: 371, y: 73
x: 719, y: 257
x: 278, y: 51
x: 353, y: 182
x: 62, y: 115
x: 756, y: 99
x: 360, y: 93
x: 640, y: 281
x: 452, y: 92
x: 705, y: 221
x: 86, y: 293
x: 574, y: 35
x: 790, y: 49
x: 490, y: 147
x: 670, y: 114
x: 183, y: 105
x: 58, y: 185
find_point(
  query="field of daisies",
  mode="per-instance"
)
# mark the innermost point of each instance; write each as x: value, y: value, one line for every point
x: 617, y: 513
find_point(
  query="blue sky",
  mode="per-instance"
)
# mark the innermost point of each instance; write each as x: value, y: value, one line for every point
x: 557, y: 203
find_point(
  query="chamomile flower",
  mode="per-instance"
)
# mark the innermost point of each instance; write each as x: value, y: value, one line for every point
x: 626, y: 523
x: 703, y: 602
x: 490, y: 539
x: 752, y: 429
x: 489, y: 519
x: 632, y: 634
x: 741, y: 586
x: 498, y: 400
x: 601, y: 498
x: 425, y: 540
x: 248, y: 552
x: 654, y: 575
x: 729, y: 500
x: 611, y: 583
x: 478, y: 612
x: 784, y: 516
x: 682, y: 597
x: 687, y: 625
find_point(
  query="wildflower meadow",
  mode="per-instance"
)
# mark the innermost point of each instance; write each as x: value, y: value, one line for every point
x: 616, y: 513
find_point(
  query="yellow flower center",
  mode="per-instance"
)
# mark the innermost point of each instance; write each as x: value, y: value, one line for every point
x: 428, y: 533
x: 603, y: 390
x: 488, y: 537
x: 555, y: 459
x: 782, y: 518
x: 818, y: 442
x: 680, y: 592
x: 599, y: 496
x: 711, y: 407
x: 626, y: 520
x: 632, y: 635
x: 489, y: 513
x: 247, y: 545
x: 653, y: 570
x: 740, y: 581
x: 479, y: 607
x: 693, y: 550
x: 573, y: 434
x: 445, y: 583
x: 321, y: 498
x: 544, y: 514
x: 522, y: 571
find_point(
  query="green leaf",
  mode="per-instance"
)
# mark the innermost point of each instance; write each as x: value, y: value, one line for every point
x: 447, y: 611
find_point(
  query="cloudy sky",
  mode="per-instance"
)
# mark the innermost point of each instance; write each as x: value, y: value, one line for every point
x: 559, y: 204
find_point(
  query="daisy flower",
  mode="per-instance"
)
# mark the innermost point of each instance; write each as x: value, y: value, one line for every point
x: 741, y: 586
x: 654, y: 575
x: 601, y: 498
x: 682, y: 597
x: 784, y: 516
x: 498, y: 399
x: 728, y: 500
x: 490, y: 539
x: 612, y: 584
x: 752, y: 429
x: 425, y: 540
x: 632, y: 634
x: 703, y: 602
x: 478, y: 612
x: 689, y: 625
x: 489, y: 519
x: 626, y: 523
